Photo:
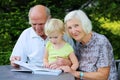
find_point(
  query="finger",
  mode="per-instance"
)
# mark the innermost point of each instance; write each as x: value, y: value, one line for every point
x: 17, y: 58
x: 13, y: 58
x: 14, y: 65
x: 53, y: 66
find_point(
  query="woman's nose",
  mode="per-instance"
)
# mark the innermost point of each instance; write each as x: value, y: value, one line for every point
x: 73, y: 30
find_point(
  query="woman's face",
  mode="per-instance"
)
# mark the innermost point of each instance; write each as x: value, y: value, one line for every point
x: 75, y: 29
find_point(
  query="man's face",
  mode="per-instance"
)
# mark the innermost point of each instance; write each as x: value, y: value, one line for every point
x: 38, y: 25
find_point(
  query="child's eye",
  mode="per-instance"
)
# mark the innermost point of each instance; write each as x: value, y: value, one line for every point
x: 50, y: 37
x: 55, y: 37
x: 69, y: 27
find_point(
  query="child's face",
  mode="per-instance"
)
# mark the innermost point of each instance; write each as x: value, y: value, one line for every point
x: 55, y: 38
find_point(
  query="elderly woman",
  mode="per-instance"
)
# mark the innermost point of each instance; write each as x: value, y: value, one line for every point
x: 94, y: 51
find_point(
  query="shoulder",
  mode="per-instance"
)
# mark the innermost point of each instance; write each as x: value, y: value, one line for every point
x: 29, y: 32
x: 100, y: 38
x: 68, y: 46
x: 48, y: 44
x: 26, y: 31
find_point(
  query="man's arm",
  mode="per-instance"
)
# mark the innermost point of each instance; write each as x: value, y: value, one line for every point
x: 18, y: 50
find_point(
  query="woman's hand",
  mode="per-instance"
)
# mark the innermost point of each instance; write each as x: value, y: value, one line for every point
x: 66, y: 69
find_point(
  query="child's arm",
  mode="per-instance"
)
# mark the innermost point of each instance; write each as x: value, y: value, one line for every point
x: 74, y: 61
x: 45, y: 59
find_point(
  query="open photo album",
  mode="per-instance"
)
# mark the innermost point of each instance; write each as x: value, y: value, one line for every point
x: 26, y: 67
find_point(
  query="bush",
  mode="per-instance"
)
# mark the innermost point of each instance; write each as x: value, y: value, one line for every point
x: 11, y: 26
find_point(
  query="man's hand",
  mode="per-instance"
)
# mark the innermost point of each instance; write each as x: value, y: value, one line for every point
x: 14, y: 58
x: 60, y: 62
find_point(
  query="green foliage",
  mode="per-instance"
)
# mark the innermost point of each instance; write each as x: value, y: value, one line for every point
x: 14, y: 19
x: 109, y: 9
x: 4, y: 58
x: 113, y: 28
x: 12, y: 24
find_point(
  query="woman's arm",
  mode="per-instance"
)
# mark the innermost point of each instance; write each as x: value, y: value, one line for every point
x: 101, y: 74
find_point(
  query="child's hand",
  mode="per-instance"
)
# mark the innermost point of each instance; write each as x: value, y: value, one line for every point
x: 47, y: 65
x: 62, y: 62
x: 54, y: 66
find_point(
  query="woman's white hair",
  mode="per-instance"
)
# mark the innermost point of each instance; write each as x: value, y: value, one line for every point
x: 82, y: 17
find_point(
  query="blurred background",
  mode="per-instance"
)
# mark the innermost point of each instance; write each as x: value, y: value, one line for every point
x: 104, y: 14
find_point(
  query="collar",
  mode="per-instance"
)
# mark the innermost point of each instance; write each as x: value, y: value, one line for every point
x: 89, y: 42
x: 33, y: 34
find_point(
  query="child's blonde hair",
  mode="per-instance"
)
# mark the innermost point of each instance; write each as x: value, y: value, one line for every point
x: 54, y: 25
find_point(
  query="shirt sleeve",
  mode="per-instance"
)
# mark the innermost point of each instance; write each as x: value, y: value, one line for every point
x: 105, y: 54
x: 48, y: 44
x: 19, y: 48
